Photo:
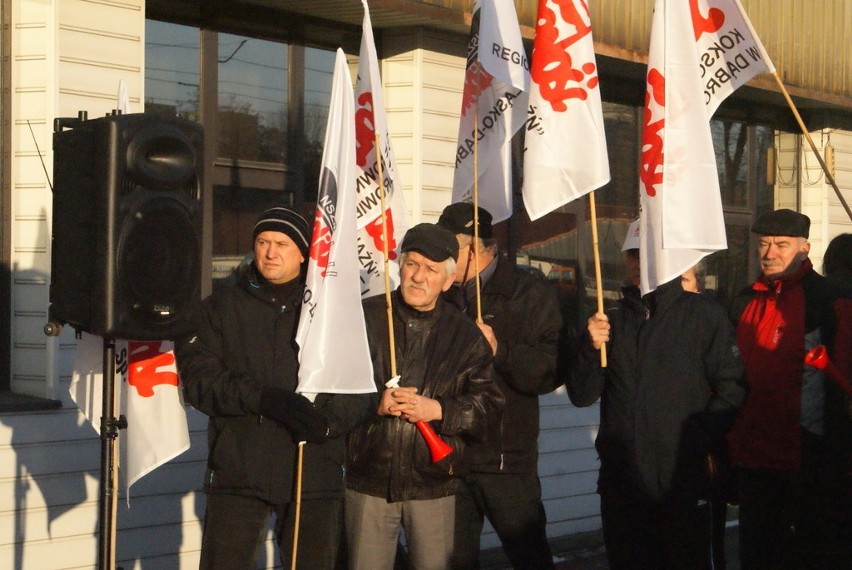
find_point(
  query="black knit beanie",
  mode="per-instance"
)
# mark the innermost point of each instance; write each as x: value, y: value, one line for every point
x: 287, y: 221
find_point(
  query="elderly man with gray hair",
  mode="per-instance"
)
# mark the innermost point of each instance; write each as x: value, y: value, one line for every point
x: 777, y: 442
x: 444, y: 368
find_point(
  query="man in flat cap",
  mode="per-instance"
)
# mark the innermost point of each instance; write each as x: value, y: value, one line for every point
x: 777, y: 441
x: 240, y: 368
x: 521, y: 320
x: 443, y: 364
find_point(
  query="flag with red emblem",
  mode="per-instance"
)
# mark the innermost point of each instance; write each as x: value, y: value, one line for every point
x: 332, y: 337
x: 565, y: 155
x: 370, y: 119
x: 701, y: 51
x: 494, y: 107
x: 149, y: 396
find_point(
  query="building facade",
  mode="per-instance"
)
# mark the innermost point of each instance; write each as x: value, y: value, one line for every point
x: 256, y: 74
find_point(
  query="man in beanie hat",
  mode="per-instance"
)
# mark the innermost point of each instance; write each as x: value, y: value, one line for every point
x: 241, y: 369
x: 777, y: 440
x: 444, y: 369
x: 521, y: 320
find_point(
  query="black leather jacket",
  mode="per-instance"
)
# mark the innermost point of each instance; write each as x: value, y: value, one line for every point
x: 244, y: 341
x: 445, y: 356
x: 523, y: 312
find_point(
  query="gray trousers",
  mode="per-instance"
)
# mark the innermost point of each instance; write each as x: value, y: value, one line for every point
x: 373, y: 525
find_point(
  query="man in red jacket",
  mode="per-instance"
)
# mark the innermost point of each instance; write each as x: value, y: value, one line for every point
x: 778, y: 439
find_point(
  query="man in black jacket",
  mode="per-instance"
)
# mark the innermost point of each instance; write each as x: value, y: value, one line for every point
x: 241, y: 369
x: 521, y: 320
x: 670, y: 391
x: 443, y: 368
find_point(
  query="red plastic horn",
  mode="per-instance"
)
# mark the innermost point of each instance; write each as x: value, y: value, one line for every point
x: 437, y: 447
x: 818, y: 358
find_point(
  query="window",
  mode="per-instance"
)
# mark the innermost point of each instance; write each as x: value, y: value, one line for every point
x: 172, y: 78
x: 270, y: 104
x: 253, y: 99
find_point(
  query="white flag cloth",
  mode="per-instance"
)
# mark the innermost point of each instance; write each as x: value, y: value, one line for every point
x: 333, y: 355
x: 152, y: 401
x: 148, y: 394
x: 565, y: 155
x: 494, y: 107
x: 700, y: 53
x: 370, y: 118
x: 122, y: 99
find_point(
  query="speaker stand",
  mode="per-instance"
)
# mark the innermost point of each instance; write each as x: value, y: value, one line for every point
x: 110, y: 425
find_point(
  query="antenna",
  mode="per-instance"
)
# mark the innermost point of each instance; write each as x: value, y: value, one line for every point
x: 38, y: 150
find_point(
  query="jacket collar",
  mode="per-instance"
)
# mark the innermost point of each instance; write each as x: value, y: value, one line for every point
x: 764, y: 284
x: 407, y: 313
x: 287, y: 295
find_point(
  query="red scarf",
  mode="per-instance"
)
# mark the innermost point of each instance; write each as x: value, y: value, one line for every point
x: 771, y: 338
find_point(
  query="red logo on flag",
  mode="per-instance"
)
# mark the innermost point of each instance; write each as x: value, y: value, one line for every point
x: 711, y: 24
x: 374, y: 230
x: 365, y: 129
x: 476, y: 80
x: 321, y: 246
x: 651, y: 169
x: 552, y: 67
x: 146, y: 367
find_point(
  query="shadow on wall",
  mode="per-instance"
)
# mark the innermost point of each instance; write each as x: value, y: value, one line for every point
x: 50, y: 468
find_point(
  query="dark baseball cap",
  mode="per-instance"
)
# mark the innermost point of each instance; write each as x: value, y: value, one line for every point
x: 435, y: 242
x: 458, y: 218
x: 782, y: 222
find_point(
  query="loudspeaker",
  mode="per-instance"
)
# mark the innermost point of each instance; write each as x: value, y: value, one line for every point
x: 126, y: 243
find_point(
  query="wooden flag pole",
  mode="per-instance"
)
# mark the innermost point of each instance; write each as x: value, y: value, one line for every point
x: 298, y: 505
x: 475, y: 245
x: 386, y: 254
x: 802, y: 126
x: 437, y: 448
x: 594, y: 220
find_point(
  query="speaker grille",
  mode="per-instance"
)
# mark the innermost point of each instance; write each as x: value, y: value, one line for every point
x: 155, y: 273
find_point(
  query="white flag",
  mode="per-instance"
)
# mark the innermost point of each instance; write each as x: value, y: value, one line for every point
x: 565, y: 155
x: 334, y: 356
x: 370, y: 119
x: 152, y: 401
x: 122, y: 99
x: 148, y: 393
x: 494, y: 107
x: 700, y: 53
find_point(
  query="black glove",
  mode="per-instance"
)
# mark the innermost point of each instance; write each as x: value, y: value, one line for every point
x: 296, y: 413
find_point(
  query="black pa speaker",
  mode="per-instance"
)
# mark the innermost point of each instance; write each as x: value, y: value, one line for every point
x: 126, y: 257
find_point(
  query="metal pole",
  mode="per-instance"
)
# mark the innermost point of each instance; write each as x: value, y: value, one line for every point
x: 109, y: 431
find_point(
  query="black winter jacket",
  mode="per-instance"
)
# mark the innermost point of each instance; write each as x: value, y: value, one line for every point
x: 671, y: 390
x: 444, y: 355
x: 524, y: 314
x: 244, y: 342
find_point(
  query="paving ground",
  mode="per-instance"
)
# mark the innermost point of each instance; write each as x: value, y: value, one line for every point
x: 585, y: 551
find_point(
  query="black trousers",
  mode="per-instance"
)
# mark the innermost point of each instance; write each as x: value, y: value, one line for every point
x: 512, y: 503
x: 235, y: 528
x: 642, y: 534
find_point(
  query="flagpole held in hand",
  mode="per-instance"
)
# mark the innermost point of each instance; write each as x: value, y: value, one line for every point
x: 594, y: 221
x: 475, y: 246
x: 386, y: 252
x: 298, y: 505
x: 437, y: 448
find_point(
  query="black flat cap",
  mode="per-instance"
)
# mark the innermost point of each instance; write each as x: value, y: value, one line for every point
x: 435, y: 242
x: 782, y: 222
x: 458, y: 218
